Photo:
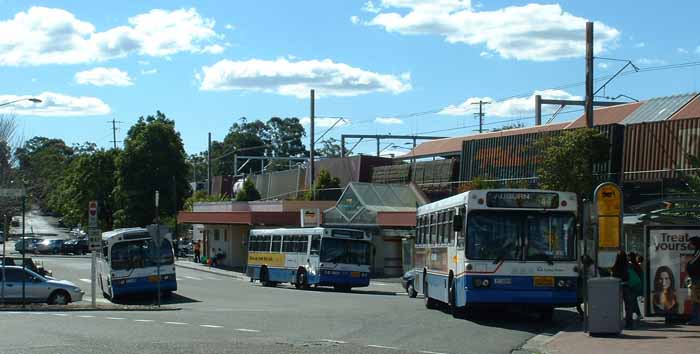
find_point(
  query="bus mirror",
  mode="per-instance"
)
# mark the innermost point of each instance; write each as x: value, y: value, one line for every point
x: 457, y: 221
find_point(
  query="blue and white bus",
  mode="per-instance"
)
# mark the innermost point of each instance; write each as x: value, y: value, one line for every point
x: 128, y: 264
x: 503, y: 246
x: 310, y: 256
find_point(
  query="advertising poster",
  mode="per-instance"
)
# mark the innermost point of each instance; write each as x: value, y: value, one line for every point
x: 667, y: 255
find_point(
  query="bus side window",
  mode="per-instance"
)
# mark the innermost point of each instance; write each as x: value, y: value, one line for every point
x: 315, y: 245
x: 433, y: 230
x: 449, y: 229
x: 267, y: 240
x: 299, y: 244
x: 104, y: 252
x: 419, y: 230
x: 286, y: 242
x: 276, y: 243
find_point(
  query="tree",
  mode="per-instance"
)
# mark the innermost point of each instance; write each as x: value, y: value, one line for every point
x: 89, y: 176
x: 322, y: 183
x: 202, y: 196
x: 153, y: 159
x: 41, y: 163
x: 330, y: 148
x: 248, y: 192
x: 567, y: 160
x: 509, y: 126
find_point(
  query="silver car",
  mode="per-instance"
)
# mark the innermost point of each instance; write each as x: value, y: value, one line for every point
x: 37, y: 288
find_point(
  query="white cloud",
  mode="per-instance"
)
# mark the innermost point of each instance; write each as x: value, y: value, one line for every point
x: 640, y: 45
x: 230, y: 26
x: 54, y: 36
x: 650, y: 61
x: 531, y: 32
x: 55, y: 105
x: 485, y: 54
x: 297, y: 78
x: 682, y: 51
x: 103, y: 77
x: 513, y: 107
x: 325, y: 122
x: 149, y: 71
x: 369, y: 7
x: 388, y: 120
x: 603, y: 66
x: 354, y: 19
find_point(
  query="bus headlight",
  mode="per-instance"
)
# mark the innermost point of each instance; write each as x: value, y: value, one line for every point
x: 481, y: 283
x: 561, y: 283
x: 485, y: 283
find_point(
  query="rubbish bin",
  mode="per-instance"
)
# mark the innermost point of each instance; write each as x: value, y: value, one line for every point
x: 604, y: 306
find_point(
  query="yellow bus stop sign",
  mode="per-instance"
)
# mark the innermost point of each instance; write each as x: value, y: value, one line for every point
x: 608, y: 203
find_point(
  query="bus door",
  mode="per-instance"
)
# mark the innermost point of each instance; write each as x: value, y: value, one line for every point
x: 315, y: 251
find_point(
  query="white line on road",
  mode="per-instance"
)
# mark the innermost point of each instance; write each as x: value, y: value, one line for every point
x: 382, y: 346
x: 379, y: 283
x: 59, y: 314
x: 211, y: 326
x: 176, y: 323
x: 193, y: 278
x: 115, y: 318
x: 333, y: 341
x: 247, y: 330
x: 429, y: 352
x: 86, y: 280
x: 86, y: 316
x: 144, y: 321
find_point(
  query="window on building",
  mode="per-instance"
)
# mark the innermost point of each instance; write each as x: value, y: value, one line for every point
x: 217, y: 234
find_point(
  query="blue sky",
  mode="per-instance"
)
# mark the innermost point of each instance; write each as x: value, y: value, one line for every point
x: 207, y: 63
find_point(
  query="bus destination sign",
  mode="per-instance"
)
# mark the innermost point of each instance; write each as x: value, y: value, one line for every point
x: 522, y: 200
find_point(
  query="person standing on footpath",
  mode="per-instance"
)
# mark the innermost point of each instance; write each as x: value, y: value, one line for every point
x: 693, y: 270
x: 620, y: 270
x: 197, y: 252
x: 636, y: 282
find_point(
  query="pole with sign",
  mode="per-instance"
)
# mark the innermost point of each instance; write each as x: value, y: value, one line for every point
x: 158, y: 243
x: 95, y: 246
x: 608, y: 213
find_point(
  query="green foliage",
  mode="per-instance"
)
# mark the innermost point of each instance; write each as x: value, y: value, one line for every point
x: 567, y: 160
x: 248, y: 192
x: 41, y: 162
x: 509, y: 126
x: 477, y: 183
x: 323, y: 182
x: 153, y: 159
x: 91, y: 175
x: 202, y: 196
x: 329, y: 148
x: 694, y: 179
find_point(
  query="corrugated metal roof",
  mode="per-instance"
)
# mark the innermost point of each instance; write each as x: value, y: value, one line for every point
x: 607, y: 115
x: 658, y: 109
x: 691, y: 110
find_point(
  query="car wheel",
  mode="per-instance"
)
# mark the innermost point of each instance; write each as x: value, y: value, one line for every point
x: 411, y: 290
x: 59, y: 297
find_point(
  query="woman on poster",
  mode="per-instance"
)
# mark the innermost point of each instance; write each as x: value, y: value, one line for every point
x: 664, y: 299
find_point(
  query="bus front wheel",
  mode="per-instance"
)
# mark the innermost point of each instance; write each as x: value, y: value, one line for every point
x: 456, y: 311
x: 301, y: 280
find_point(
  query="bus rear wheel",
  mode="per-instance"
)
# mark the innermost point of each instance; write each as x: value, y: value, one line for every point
x: 301, y: 280
x: 429, y: 302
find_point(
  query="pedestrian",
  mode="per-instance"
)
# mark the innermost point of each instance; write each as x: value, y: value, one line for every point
x: 176, y: 246
x: 587, y: 270
x: 635, y: 282
x: 693, y: 270
x: 620, y: 270
x: 197, y: 251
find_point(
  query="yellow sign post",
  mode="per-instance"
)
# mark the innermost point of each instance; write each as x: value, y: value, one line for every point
x: 608, y: 203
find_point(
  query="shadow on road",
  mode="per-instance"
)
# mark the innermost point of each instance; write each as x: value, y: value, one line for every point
x: 150, y: 299
x: 322, y: 289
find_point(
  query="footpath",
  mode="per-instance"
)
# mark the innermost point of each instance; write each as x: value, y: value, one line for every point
x: 653, y: 336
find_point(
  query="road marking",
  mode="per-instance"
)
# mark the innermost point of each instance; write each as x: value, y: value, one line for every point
x: 247, y: 330
x: 193, y: 278
x: 12, y: 313
x: 143, y: 321
x: 86, y: 280
x: 115, y: 318
x: 59, y: 314
x: 379, y: 283
x: 210, y: 326
x: 429, y: 352
x: 382, y: 346
x: 333, y: 341
x: 176, y: 323
x: 86, y: 316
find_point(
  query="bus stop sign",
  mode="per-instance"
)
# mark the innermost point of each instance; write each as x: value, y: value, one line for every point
x: 608, y: 205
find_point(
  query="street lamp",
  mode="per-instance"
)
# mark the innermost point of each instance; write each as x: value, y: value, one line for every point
x: 31, y: 99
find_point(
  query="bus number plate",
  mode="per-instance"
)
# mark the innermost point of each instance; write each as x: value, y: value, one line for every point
x: 503, y: 281
x: 544, y: 281
x: 153, y: 278
x: 355, y: 274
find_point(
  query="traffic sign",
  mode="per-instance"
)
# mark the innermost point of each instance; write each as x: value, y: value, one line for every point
x: 95, y: 238
x: 92, y: 214
x: 608, y: 203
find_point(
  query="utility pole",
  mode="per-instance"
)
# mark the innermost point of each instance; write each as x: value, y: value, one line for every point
x: 114, y: 131
x: 481, y: 114
x: 209, y: 165
x: 589, y: 75
x: 311, y: 150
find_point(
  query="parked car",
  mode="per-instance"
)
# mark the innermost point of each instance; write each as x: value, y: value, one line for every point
x: 31, y: 244
x: 77, y: 246
x: 38, y: 288
x: 29, y: 263
x: 408, y: 280
x: 53, y: 246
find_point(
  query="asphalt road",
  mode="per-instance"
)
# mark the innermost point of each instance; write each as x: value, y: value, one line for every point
x: 225, y: 315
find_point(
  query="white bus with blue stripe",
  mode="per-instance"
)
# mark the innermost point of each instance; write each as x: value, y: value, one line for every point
x: 501, y: 246
x: 128, y: 264
x: 310, y: 256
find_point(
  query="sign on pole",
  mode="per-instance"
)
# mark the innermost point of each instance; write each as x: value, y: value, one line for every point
x: 310, y: 217
x: 608, y: 205
x: 94, y: 234
x: 668, y: 253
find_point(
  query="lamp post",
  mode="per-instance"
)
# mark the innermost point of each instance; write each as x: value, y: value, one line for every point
x: 31, y: 99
